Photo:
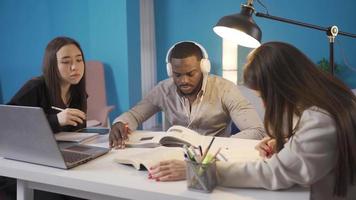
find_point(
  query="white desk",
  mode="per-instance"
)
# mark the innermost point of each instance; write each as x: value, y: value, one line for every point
x: 103, y: 179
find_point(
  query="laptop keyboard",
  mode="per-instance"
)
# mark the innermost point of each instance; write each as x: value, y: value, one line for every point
x: 72, y: 157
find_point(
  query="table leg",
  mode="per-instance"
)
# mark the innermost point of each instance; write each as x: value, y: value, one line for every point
x: 23, y: 191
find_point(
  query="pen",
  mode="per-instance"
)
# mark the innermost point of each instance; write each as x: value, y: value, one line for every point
x: 195, y: 155
x: 56, y: 108
x: 207, y: 149
x: 222, y: 156
x: 127, y: 128
x: 125, y: 135
x: 214, y: 156
x: 200, y: 150
x: 269, y: 152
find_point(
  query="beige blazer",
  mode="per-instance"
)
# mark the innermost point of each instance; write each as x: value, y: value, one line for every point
x: 307, y: 159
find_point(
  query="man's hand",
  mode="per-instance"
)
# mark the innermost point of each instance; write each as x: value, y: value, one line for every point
x: 267, y: 147
x: 118, y: 135
x: 170, y: 170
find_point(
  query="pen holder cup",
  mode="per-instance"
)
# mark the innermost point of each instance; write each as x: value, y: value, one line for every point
x: 201, y: 177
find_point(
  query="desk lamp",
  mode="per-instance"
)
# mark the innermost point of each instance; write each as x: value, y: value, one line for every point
x: 242, y: 29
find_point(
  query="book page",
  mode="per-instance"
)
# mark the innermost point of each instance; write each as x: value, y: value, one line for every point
x: 235, y: 149
x: 142, y: 158
x: 182, y: 135
x: 176, y: 136
x: 145, y: 139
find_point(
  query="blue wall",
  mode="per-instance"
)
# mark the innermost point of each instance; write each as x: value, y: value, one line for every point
x: 186, y: 19
x: 103, y: 28
x: 108, y: 30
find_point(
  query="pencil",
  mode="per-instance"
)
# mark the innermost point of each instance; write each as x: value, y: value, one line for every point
x: 56, y: 108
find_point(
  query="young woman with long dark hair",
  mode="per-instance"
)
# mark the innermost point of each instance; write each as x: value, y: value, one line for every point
x: 311, y: 120
x: 62, y: 85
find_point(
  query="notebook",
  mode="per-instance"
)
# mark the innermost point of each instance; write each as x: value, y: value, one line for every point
x: 26, y: 136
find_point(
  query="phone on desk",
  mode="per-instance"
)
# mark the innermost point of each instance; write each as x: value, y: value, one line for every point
x: 99, y: 130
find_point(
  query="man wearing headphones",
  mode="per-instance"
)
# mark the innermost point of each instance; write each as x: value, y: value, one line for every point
x: 192, y: 98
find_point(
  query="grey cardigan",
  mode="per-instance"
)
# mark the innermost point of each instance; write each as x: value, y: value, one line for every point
x: 307, y: 159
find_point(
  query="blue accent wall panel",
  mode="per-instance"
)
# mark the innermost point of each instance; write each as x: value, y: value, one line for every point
x: 134, y: 55
x: 109, y: 31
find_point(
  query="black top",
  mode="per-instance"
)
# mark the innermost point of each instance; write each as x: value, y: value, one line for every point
x: 35, y: 93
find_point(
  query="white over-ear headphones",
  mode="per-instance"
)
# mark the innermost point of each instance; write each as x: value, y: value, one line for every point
x: 204, y: 63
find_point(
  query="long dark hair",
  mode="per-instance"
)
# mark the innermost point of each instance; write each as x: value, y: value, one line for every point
x: 52, y: 76
x: 289, y: 83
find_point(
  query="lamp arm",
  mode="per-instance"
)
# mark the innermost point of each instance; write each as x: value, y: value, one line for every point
x: 312, y: 26
x: 332, y: 32
x: 289, y: 21
x: 347, y: 34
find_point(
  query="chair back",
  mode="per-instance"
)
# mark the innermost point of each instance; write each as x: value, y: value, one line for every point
x: 95, y: 86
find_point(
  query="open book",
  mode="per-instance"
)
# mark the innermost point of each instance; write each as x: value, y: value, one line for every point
x: 144, y: 158
x: 233, y: 149
x: 176, y: 136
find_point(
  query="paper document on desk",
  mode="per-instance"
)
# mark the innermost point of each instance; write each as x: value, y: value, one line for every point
x: 75, y: 137
x: 176, y: 136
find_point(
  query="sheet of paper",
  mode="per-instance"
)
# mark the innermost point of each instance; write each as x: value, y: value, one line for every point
x: 74, y: 136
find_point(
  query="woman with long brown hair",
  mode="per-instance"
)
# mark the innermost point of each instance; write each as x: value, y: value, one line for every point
x: 60, y: 91
x: 311, y: 120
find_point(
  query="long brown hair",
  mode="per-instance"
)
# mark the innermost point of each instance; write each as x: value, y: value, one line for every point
x: 289, y: 83
x: 52, y: 76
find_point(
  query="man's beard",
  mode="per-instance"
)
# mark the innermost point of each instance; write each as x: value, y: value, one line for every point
x: 194, y: 91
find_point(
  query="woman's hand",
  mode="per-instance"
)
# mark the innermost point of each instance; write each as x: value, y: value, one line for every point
x: 267, y: 147
x: 170, y: 170
x: 71, y: 116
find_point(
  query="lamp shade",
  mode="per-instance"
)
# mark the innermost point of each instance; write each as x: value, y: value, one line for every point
x: 240, y: 28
